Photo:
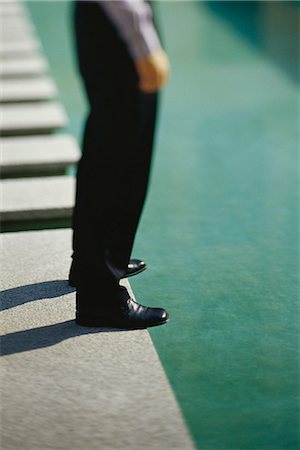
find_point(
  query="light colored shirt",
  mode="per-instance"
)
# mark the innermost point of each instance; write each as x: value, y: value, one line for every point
x: 133, y: 21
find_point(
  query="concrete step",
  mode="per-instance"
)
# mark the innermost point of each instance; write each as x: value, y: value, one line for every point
x: 31, y: 199
x: 31, y: 118
x: 15, y: 30
x: 69, y: 387
x: 27, y: 89
x: 16, y: 20
x: 23, y: 67
x: 39, y: 154
x: 9, y: 8
x: 29, y: 46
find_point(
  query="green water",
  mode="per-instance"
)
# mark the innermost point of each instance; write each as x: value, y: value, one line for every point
x: 219, y: 230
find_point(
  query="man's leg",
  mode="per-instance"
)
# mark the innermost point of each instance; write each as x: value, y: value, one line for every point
x: 114, y: 169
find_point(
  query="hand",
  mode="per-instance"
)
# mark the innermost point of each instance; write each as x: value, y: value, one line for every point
x: 153, y: 71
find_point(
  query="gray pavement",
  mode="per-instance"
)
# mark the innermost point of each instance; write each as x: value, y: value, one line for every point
x: 14, y: 30
x: 67, y: 387
x: 31, y: 118
x: 27, y: 89
x: 37, y: 198
x: 11, y: 8
x: 33, y: 154
x: 23, y: 67
x: 28, y: 46
x: 63, y: 386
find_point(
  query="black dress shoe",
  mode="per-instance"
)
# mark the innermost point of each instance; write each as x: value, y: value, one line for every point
x: 134, y: 267
x: 122, y: 312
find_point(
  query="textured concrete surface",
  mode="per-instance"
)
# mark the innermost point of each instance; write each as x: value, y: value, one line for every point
x: 31, y: 118
x: 37, y: 198
x: 14, y: 15
x: 15, y: 29
x: 9, y: 8
x: 34, y: 153
x: 27, y: 89
x: 68, y: 387
x: 26, y: 46
x: 21, y: 67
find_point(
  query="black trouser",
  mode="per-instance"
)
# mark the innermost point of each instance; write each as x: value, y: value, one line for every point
x: 114, y: 169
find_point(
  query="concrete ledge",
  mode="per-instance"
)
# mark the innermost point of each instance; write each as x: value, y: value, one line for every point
x: 10, y: 8
x: 13, y: 22
x: 20, y: 67
x: 69, y: 387
x: 24, y: 90
x: 15, y: 30
x: 11, y: 48
x: 31, y: 118
x: 29, y: 155
x: 37, y: 198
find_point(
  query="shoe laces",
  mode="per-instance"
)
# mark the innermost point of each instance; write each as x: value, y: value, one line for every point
x: 125, y: 303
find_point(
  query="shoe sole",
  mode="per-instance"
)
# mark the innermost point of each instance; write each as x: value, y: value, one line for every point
x: 96, y: 324
x: 73, y: 284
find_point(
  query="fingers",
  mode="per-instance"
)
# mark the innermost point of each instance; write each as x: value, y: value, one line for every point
x: 153, y: 82
x: 153, y: 72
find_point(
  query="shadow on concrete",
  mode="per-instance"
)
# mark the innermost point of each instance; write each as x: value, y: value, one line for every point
x: 47, y: 336
x: 36, y: 224
x: 36, y: 291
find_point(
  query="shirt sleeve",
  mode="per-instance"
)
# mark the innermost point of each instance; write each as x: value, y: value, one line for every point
x: 133, y: 20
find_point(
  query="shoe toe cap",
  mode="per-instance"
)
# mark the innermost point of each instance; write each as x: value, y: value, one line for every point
x: 160, y: 315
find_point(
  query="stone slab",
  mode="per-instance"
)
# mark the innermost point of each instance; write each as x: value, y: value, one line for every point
x: 69, y: 387
x: 8, y: 9
x: 16, y: 21
x: 37, y: 198
x: 36, y: 153
x: 9, y: 49
x: 31, y: 118
x: 22, y: 67
x: 27, y: 89
x: 15, y: 30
